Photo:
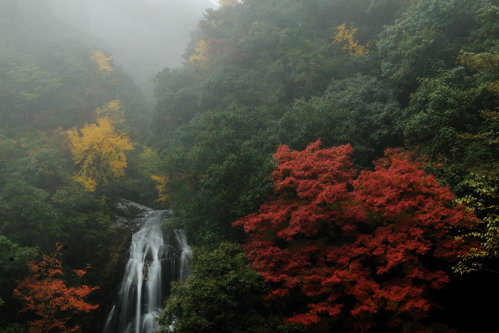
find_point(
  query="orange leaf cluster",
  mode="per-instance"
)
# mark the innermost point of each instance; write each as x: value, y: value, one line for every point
x: 345, y: 38
x: 45, y: 294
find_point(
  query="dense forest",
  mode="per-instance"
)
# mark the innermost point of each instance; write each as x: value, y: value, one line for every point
x: 335, y: 165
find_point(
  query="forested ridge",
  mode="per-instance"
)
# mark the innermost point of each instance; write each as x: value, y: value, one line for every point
x: 334, y: 164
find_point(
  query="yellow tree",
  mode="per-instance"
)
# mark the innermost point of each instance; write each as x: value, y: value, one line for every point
x: 345, y: 37
x: 486, y: 62
x: 104, y: 62
x: 112, y: 111
x: 200, y: 55
x: 161, y: 187
x: 228, y: 2
x: 99, y: 151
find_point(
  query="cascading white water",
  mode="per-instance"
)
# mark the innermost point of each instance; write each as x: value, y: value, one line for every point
x: 154, y: 258
x: 185, y: 268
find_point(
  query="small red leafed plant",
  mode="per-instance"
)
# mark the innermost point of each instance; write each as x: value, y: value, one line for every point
x: 363, y: 251
x: 46, y: 295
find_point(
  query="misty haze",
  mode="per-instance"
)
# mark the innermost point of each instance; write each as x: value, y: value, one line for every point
x: 144, y: 36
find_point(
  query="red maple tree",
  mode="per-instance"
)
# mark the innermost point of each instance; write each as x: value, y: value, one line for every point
x: 363, y: 251
x: 47, y: 296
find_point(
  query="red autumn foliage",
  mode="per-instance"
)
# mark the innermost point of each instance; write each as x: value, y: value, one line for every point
x: 363, y: 251
x: 45, y: 294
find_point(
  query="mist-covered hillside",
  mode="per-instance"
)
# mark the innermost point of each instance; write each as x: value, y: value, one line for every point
x: 142, y: 36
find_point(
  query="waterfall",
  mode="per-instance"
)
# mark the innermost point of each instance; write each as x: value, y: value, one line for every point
x: 157, y: 257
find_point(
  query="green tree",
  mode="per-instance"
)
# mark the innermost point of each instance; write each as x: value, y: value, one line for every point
x: 13, y: 262
x: 482, y: 197
x: 223, y: 295
x: 26, y: 215
x: 220, y: 175
x: 177, y: 92
x: 46, y: 168
x: 360, y: 110
x: 29, y: 85
x: 426, y: 39
x: 445, y: 108
x: 453, y: 118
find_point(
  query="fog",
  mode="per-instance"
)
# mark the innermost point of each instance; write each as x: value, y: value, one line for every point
x: 143, y: 36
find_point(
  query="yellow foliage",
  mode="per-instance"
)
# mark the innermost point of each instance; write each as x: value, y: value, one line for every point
x: 104, y: 62
x: 161, y: 187
x: 490, y: 137
x: 494, y: 87
x: 228, y: 2
x: 99, y: 152
x: 90, y: 184
x: 112, y: 111
x: 200, y: 55
x: 149, y: 163
x: 488, y: 62
x: 345, y: 37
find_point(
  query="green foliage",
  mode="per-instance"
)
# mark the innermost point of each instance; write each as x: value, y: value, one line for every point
x: 13, y: 263
x: 16, y: 328
x: 487, y: 15
x: 223, y: 177
x: 426, y: 39
x: 29, y: 86
x: 46, y: 169
x: 482, y: 197
x: 13, y: 259
x: 177, y: 92
x: 223, y: 295
x: 445, y: 106
x: 358, y: 110
x: 9, y: 151
x: 453, y: 118
x: 27, y: 216
x: 138, y: 185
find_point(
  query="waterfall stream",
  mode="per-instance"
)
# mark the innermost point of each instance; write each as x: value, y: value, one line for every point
x: 157, y: 257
